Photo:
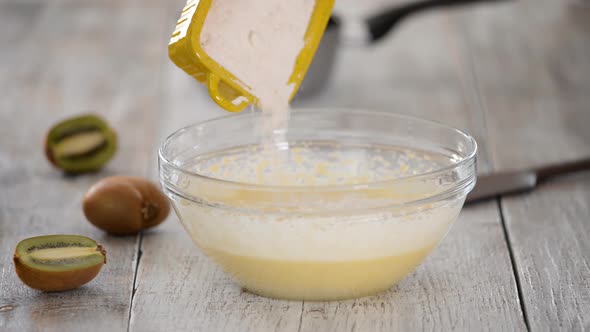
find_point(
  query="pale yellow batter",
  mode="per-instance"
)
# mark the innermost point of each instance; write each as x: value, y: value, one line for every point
x: 318, y: 280
x: 283, y: 244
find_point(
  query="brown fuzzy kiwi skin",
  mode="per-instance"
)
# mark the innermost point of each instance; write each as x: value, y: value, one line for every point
x: 56, y: 281
x: 49, y: 152
x: 125, y: 205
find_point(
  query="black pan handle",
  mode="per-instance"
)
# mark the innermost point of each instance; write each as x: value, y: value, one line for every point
x: 380, y: 24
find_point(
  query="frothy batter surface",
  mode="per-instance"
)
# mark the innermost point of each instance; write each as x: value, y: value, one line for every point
x: 317, y: 164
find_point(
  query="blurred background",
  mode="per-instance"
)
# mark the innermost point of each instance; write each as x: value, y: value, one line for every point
x: 503, y: 70
x: 514, y: 73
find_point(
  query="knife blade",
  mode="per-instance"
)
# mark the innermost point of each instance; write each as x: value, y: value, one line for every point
x: 493, y: 185
x: 498, y: 184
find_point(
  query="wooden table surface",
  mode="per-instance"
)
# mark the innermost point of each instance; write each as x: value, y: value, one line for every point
x: 516, y: 75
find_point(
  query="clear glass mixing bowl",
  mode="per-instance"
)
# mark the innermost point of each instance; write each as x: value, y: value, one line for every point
x: 350, y: 204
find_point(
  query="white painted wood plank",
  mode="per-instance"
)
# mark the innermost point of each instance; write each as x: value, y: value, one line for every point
x: 537, y: 110
x: 59, y: 60
x: 550, y: 236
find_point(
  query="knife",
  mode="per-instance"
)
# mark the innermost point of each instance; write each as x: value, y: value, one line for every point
x: 498, y: 184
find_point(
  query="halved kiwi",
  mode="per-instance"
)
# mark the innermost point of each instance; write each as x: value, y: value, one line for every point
x: 81, y: 144
x: 58, y: 262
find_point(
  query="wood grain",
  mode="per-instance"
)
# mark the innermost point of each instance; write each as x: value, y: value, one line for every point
x: 550, y: 236
x: 515, y: 75
x: 468, y: 283
x: 57, y: 60
x: 538, y: 113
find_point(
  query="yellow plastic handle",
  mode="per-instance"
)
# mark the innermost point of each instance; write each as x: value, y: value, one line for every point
x: 213, y: 85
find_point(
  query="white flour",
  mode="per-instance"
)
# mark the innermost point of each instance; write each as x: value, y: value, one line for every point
x: 259, y: 41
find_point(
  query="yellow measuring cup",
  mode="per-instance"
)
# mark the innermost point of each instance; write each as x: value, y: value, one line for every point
x: 225, y: 89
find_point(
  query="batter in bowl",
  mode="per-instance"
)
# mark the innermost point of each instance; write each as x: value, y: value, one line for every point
x: 283, y: 244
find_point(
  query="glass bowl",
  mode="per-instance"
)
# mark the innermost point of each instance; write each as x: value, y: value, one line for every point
x: 346, y: 206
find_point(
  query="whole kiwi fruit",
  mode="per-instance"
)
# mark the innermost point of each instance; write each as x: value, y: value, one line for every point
x: 125, y: 205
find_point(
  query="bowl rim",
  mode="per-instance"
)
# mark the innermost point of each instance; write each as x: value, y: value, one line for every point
x: 465, y: 160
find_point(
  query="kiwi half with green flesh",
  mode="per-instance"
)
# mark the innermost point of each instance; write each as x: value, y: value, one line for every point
x: 58, y: 262
x: 80, y: 144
